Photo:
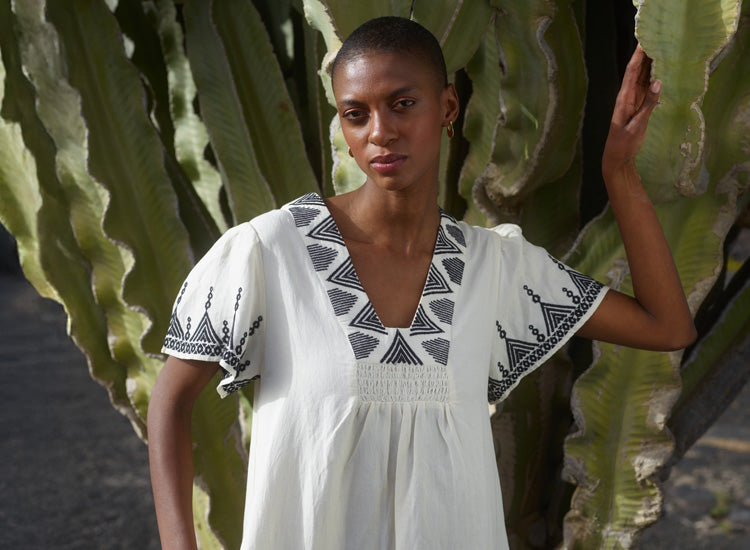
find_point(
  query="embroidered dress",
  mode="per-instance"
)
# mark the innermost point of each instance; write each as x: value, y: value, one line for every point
x: 366, y: 436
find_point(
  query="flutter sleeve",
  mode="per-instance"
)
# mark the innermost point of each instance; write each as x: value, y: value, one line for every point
x: 541, y: 303
x: 219, y: 312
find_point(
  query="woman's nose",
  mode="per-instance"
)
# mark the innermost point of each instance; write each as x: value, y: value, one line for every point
x: 382, y: 129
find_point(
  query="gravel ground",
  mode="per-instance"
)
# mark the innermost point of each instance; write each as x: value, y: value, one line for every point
x: 73, y: 474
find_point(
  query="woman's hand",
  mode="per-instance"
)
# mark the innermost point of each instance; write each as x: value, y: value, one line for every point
x: 635, y: 102
x: 658, y: 317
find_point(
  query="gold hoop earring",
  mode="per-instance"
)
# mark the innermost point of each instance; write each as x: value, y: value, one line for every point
x: 450, y: 131
x: 350, y: 152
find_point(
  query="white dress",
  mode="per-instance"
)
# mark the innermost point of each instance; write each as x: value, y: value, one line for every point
x: 364, y: 436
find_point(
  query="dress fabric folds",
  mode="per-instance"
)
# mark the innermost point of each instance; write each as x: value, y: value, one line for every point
x: 366, y: 436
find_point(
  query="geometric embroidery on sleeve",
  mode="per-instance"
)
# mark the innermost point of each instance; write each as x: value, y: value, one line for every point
x: 175, y: 328
x: 495, y: 390
x: 559, y: 319
x: 206, y: 342
x: 174, y: 331
x: 205, y: 337
x: 554, y: 314
x: 584, y: 284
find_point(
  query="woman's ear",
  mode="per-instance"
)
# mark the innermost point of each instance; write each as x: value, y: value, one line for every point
x: 450, y: 104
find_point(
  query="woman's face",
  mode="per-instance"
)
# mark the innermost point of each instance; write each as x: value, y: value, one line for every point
x: 392, y: 113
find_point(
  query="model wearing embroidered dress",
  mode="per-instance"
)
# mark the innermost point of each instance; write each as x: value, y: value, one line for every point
x: 377, y: 325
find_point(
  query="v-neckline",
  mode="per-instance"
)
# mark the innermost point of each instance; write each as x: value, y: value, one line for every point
x: 327, y: 211
x: 432, y: 320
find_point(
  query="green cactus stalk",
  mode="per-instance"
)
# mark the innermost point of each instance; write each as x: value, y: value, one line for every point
x: 132, y: 134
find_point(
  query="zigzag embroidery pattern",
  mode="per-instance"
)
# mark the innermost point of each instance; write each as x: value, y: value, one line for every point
x: 327, y: 231
x: 423, y: 324
x: 367, y: 319
x: 346, y: 276
x: 356, y: 314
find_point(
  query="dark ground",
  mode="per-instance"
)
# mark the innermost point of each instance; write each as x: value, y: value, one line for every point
x: 73, y: 474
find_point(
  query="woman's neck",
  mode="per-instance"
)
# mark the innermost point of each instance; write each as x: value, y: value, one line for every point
x: 405, y: 220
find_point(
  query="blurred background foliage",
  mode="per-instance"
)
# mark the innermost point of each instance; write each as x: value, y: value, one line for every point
x: 133, y: 133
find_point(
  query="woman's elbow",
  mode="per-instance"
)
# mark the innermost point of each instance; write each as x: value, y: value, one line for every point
x: 682, y: 337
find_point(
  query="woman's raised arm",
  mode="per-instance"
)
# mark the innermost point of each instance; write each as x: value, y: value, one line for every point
x: 658, y: 317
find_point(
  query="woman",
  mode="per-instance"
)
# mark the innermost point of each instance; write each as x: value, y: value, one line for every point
x: 377, y: 324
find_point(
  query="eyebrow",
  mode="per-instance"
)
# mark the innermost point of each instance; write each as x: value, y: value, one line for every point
x: 394, y: 93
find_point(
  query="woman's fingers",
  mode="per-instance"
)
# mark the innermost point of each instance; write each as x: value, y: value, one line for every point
x: 649, y: 103
x: 634, y: 89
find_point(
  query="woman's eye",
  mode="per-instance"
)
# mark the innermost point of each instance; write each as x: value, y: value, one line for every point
x: 404, y: 103
x: 354, y: 114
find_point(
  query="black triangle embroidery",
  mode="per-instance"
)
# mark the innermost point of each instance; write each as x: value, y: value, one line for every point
x: 555, y: 314
x: 321, y: 256
x: 303, y: 215
x: 443, y: 309
x: 495, y: 389
x: 423, y: 324
x: 517, y: 350
x: 400, y: 352
x: 175, y: 329
x: 582, y: 282
x: 367, y: 319
x: 455, y: 269
x: 345, y: 275
x: 443, y: 245
x: 327, y: 231
x: 457, y: 234
x: 362, y: 344
x: 312, y: 199
x: 341, y: 301
x: 204, y: 332
x: 438, y: 349
x: 436, y: 283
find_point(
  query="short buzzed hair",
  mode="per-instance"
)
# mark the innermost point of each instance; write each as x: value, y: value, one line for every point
x: 392, y: 34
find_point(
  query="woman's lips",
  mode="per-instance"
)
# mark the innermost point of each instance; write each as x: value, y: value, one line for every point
x: 386, y: 164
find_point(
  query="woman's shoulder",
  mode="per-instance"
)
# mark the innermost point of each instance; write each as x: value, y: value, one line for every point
x: 503, y: 235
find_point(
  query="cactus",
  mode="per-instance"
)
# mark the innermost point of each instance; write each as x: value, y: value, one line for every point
x: 133, y: 133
